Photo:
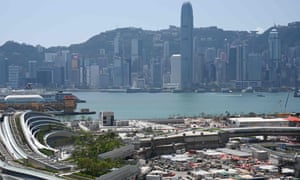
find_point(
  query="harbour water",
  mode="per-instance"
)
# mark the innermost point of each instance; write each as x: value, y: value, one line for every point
x: 164, y: 105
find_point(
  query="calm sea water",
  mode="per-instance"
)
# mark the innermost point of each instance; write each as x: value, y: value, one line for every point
x: 164, y: 105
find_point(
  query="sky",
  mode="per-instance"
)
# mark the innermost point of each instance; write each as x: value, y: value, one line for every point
x: 64, y: 22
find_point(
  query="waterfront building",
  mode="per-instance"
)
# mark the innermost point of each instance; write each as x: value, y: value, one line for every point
x: 220, y: 70
x: 241, y: 63
x: 125, y: 73
x: 104, y: 78
x: 74, y: 71
x: 176, y: 70
x: 106, y: 119
x: 186, y: 46
x: 254, y: 67
x: 165, y: 61
x: 236, y: 67
x: 117, y: 72
x: 274, y: 56
x: 231, y: 66
x: 198, y: 68
x: 155, y: 70
x: 92, y: 73
x: 58, y: 76
x: 136, y: 52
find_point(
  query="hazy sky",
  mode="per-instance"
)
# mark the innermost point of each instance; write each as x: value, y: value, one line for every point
x: 65, y: 22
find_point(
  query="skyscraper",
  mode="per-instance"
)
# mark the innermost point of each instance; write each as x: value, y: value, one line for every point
x: 3, y: 71
x: 274, y: 56
x: 14, y: 76
x: 186, y: 46
x: 176, y: 70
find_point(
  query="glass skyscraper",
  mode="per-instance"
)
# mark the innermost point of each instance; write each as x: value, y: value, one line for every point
x: 186, y: 46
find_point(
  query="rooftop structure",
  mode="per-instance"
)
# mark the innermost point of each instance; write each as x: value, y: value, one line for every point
x: 121, y: 152
x: 23, y: 98
x: 258, y: 121
x: 232, y: 152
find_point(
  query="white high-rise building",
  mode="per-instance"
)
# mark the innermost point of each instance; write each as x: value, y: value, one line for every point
x: 274, y: 45
x: 93, y: 74
x: 176, y: 70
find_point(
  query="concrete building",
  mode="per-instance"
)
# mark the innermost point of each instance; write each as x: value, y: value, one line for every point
x: 274, y: 45
x: 125, y: 172
x: 45, y: 76
x: 136, y: 48
x: 118, y: 153
x: 3, y: 71
x: 50, y: 57
x: 176, y: 70
x: 220, y: 70
x: 210, y: 67
x: 14, y: 76
x: 117, y: 44
x: 186, y: 46
x: 32, y: 68
x: 254, y: 67
x: 258, y: 121
x: 106, y: 119
x: 117, y: 72
x: 156, y: 75
x: 166, y: 67
x: 92, y: 75
x: 198, y: 68
x: 74, y: 71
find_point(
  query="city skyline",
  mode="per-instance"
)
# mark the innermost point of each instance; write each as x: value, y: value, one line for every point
x: 59, y: 23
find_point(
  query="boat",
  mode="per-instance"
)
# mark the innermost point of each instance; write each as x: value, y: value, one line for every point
x: 248, y: 90
x: 154, y: 90
x: 59, y: 96
x: 260, y: 95
x: 297, y: 93
x: 226, y: 90
x: 49, y: 96
x: 177, y: 90
x: 135, y: 90
x: 200, y: 90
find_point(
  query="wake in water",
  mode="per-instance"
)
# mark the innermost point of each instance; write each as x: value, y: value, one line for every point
x: 225, y: 94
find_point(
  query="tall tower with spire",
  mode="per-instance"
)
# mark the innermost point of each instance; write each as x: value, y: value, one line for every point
x: 186, y: 46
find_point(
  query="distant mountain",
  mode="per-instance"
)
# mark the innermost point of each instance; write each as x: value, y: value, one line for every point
x: 20, y: 54
x: 209, y: 37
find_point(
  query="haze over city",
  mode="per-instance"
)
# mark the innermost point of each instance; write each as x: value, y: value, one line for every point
x: 61, y: 23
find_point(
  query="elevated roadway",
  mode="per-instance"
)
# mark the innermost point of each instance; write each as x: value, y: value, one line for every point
x: 25, y: 173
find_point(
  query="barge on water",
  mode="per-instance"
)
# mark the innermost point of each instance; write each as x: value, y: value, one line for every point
x: 60, y: 102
